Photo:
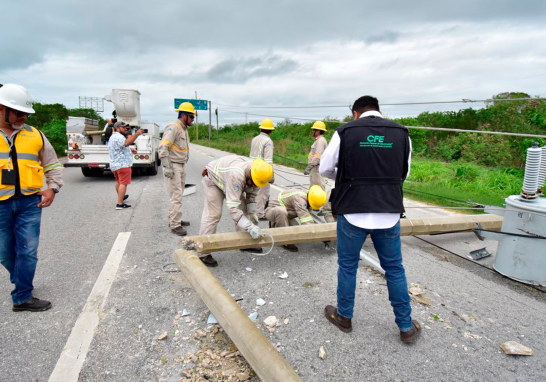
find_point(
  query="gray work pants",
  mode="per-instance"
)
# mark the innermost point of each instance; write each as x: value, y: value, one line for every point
x: 175, y: 189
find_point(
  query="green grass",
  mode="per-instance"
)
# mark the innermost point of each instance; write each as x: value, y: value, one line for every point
x: 461, y: 181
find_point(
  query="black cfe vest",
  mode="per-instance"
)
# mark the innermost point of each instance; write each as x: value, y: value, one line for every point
x: 372, y: 166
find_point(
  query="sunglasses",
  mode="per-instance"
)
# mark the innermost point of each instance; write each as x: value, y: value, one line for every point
x: 20, y: 114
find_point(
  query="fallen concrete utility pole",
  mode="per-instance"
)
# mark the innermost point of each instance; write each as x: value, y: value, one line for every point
x: 324, y: 232
x: 254, y: 346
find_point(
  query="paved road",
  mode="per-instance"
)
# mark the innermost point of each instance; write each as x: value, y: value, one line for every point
x: 81, y: 228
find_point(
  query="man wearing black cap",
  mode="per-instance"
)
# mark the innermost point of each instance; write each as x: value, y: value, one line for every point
x: 369, y: 158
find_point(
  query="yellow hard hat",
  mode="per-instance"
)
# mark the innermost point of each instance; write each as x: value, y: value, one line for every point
x: 317, y: 197
x: 267, y: 124
x: 261, y: 172
x: 186, y: 107
x: 319, y: 125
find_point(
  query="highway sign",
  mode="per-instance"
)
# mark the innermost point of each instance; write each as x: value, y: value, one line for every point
x: 199, y: 104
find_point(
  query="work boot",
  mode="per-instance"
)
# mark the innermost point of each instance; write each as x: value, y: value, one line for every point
x: 179, y: 231
x: 33, y: 305
x: 209, y: 261
x: 253, y: 250
x: 411, y: 335
x: 184, y: 223
x: 290, y: 248
x: 343, y: 323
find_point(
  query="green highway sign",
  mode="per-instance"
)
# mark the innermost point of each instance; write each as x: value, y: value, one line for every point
x: 199, y: 104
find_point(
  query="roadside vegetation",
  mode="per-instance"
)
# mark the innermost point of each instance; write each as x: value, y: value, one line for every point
x: 479, y: 168
x: 51, y: 120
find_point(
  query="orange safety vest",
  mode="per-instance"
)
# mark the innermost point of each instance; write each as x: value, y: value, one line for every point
x: 28, y: 143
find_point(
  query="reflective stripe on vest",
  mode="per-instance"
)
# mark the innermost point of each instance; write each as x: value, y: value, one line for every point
x: 283, y: 195
x: 28, y: 143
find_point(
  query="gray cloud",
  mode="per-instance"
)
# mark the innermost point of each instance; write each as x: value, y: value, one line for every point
x: 387, y: 37
x: 240, y: 70
x: 113, y: 28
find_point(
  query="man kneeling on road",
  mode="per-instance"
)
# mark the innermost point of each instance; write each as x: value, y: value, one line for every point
x: 237, y: 180
x: 291, y: 204
x: 121, y: 160
x: 369, y: 159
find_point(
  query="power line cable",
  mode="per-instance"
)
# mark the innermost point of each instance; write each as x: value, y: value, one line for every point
x: 464, y: 100
x: 409, y: 127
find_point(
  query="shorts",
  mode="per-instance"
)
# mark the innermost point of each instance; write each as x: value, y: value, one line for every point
x: 123, y: 175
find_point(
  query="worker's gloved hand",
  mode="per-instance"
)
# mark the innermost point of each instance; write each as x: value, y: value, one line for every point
x: 251, y: 209
x: 308, y: 170
x: 256, y: 232
x: 168, y: 169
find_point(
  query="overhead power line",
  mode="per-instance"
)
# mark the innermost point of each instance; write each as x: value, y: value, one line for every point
x: 409, y: 127
x: 464, y: 100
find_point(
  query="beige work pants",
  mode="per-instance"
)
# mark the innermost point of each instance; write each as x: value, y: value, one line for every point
x: 175, y: 189
x: 278, y: 217
x: 316, y: 178
x: 261, y: 199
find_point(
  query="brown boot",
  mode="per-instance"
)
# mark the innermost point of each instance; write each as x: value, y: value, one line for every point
x: 411, y: 335
x: 179, y: 231
x: 290, y: 247
x: 343, y: 324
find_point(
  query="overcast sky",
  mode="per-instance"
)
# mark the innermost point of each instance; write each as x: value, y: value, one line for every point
x: 274, y: 53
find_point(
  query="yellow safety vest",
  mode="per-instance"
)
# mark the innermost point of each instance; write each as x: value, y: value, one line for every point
x: 28, y: 143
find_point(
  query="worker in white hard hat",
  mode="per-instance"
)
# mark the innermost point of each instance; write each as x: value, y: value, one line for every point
x: 290, y: 205
x: 262, y: 148
x: 174, y: 153
x: 237, y: 180
x: 25, y: 156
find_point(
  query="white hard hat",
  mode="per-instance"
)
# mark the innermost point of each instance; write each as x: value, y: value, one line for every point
x: 16, y: 97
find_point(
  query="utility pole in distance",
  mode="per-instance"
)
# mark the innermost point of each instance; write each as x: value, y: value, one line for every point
x: 196, y: 122
x: 217, y: 128
x: 210, y: 121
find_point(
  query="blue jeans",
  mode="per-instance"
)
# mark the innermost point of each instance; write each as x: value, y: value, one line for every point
x: 19, y: 237
x: 387, y: 244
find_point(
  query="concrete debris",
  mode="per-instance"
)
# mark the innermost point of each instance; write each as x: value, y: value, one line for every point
x: 322, y: 353
x: 286, y: 321
x: 284, y: 275
x: 515, y: 348
x: 163, y: 336
x: 260, y: 302
x: 421, y: 299
x: 185, y: 313
x: 271, y: 321
x: 248, y: 269
x: 191, y: 245
x: 415, y: 289
x: 271, y: 330
x: 212, y: 319
x: 253, y: 316
x: 470, y: 335
x: 216, y: 360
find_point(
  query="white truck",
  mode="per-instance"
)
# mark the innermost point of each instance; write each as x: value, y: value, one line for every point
x: 87, y: 145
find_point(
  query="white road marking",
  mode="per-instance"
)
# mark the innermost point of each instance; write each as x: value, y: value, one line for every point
x: 276, y: 187
x: 75, y: 350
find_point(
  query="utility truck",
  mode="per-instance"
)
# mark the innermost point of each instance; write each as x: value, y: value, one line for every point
x: 88, y: 144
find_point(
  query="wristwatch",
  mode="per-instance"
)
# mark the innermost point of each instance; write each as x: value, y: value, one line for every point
x: 55, y: 190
